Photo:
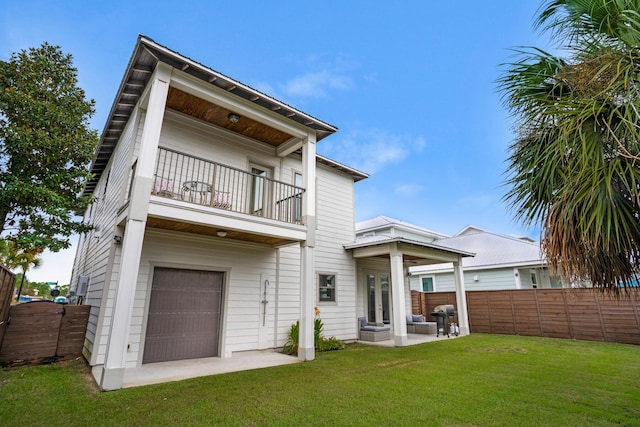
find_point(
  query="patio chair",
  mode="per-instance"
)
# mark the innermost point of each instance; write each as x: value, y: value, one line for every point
x: 373, y: 333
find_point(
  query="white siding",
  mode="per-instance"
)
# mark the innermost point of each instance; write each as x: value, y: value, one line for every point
x: 244, y: 264
x: 194, y: 138
x: 487, y: 280
x: 287, y: 293
x: 336, y: 219
x: 335, y: 227
x: 94, y: 256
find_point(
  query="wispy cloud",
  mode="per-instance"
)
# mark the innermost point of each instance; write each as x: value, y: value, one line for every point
x: 370, y: 150
x: 316, y: 84
x: 408, y: 190
x: 326, y: 74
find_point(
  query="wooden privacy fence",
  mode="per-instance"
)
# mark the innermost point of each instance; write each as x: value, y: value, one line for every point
x: 42, y: 332
x: 424, y: 303
x: 582, y: 314
x: 7, y: 283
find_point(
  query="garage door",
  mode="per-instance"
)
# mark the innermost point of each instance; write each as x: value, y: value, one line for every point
x: 184, y: 315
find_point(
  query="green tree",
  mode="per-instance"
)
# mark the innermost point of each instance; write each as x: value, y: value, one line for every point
x: 41, y: 289
x: 45, y: 148
x: 574, y: 167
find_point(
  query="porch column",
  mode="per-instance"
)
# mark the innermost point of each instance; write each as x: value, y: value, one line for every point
x: 461, y: 298
x: 117, y: 344
x: 398, y: 297
x: 306, y: 344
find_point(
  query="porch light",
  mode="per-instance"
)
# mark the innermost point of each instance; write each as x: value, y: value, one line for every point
x: 233, y: 118
x: 221, y: 233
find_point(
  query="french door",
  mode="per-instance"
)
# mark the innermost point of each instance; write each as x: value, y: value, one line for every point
x: 258, y: 190
x: 379, y: 298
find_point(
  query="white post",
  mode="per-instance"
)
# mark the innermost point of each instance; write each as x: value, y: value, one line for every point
x: 461, y: 298
x: 117, y: 344
x: 398, y: 298
x: 306, y: 344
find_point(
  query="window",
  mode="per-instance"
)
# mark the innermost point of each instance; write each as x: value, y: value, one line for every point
x: 427, y: 284
x: 534, y: 279
x: 260, y: 191
x: 326, y: 287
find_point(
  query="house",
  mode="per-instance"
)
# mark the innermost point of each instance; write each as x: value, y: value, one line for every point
x: 501, y: 262
x: 216, y: 226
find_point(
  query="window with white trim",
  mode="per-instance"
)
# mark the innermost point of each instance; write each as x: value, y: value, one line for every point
x: 326, y: 287
x: 427, y: 284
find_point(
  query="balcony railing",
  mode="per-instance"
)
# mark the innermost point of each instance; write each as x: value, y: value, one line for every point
x: 204, y: 182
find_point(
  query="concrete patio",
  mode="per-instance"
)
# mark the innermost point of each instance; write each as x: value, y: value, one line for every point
x: 156, y: 373
x: 412, y: 339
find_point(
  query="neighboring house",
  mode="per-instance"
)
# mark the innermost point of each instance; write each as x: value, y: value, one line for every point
x: 501, y: 262
x: 216, y: 226
x: 390, y: 227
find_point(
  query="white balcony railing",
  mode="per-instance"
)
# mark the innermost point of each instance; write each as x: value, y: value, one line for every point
x: 204, y: 182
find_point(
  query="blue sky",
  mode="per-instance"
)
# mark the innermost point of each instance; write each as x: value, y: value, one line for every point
x: 410, y: 85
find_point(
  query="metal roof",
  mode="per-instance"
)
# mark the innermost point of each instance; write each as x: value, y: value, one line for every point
x: 495, y: 250
x: 364, y: 242
x: 355, y: 173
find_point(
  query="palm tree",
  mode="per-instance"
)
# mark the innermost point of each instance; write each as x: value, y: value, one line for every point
x: 574, y: 167
x: 12, y: 257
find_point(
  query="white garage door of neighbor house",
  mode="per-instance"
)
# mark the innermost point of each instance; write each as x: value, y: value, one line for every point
x: 184, y: 315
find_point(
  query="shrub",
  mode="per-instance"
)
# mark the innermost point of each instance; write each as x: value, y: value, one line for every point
x: 328, y: 344
x: 291, y: 347
x: 321, y: 343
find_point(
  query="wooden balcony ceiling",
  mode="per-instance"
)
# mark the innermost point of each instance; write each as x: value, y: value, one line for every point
x: 185, y: 227
x: 219, y: 116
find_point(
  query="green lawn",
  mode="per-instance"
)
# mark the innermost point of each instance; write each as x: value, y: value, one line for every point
x: 478, y: 380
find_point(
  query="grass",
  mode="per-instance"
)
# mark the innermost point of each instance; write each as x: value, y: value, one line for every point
x: 480, y: 380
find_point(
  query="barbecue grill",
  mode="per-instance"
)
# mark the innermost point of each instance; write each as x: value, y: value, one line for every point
x: 443, y: 314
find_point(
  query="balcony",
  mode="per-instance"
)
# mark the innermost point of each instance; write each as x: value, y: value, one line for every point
x: 191, y: 179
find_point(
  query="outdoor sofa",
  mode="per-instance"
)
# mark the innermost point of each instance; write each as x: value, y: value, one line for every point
x: 416, y: 325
